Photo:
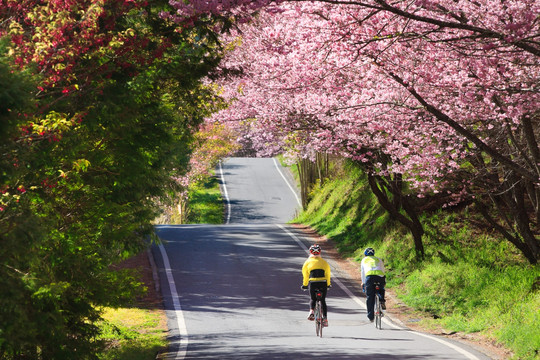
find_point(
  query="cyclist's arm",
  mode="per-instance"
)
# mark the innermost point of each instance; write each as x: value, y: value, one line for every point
x: 362, y: 272
x: 327, y: 274
x: 382, y: 267
x: 305, y: 275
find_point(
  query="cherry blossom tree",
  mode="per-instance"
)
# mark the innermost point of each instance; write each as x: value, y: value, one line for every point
x: 213, y: 142
x: 442, y: 93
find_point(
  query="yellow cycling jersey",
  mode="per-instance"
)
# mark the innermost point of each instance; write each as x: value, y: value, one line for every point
x: 316, y: 269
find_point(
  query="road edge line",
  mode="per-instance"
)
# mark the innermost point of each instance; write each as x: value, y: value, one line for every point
x: 225, y: 193
x: 182, y: 329
x: 464, y: 352
x: 287, y: 182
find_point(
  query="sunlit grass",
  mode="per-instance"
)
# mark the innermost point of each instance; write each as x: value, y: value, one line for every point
x: 132, y: 334
x: 206, y: 203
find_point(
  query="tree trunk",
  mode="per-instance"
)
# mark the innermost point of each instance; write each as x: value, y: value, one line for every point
x: 514, y: 239
x: 309, y: 172
x: 305, y: 173
x: 380, y: 187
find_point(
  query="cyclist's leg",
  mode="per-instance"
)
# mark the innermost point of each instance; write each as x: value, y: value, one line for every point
x: 324, y: 290
x: 312, y: 301
x: 320, y: 286
x: 382, y: 280
x: 313, y: 295
x: 381, y: 290
x: 370, y: 297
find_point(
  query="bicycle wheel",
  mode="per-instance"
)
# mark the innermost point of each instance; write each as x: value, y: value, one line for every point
x: 378, y: 312
x: 317, y: 313
x: 319, y: 318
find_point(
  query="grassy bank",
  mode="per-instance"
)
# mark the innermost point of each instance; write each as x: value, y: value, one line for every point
x: 206, y: 203
x: 138, y: 330
x: 132, y: 334
x: 471, y: 281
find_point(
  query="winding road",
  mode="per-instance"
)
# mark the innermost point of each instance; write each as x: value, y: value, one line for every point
x: 232, y: 291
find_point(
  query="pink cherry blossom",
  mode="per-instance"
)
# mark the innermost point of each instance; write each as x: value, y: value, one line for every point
x: 443, y: 93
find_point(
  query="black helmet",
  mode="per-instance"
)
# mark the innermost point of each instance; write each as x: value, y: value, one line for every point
x: 315, y: 249
x: 369, y: 252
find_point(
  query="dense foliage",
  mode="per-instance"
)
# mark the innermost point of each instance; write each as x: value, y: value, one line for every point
x: 99, y: 104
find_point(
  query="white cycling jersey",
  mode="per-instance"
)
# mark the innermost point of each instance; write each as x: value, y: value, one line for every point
x: 371, y: 265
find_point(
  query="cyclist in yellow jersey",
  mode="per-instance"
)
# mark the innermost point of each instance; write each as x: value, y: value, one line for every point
x: 316, y: 274
x: 372, y: 270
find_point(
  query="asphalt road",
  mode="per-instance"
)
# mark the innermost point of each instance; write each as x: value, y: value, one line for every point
x: 233, y: 291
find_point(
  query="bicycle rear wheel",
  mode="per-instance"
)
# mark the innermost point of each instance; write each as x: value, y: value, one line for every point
x: 318, y: 319
x: 378, y: 312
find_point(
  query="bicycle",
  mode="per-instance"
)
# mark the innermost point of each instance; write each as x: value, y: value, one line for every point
x: 318, y: 311
x: 378, y: 307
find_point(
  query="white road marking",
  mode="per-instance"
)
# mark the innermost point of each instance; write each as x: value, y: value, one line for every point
x: 287, y: 182
x: 225, y: 194
x: 182, y: 347
x: 357, y: 300
x: 464, y: 352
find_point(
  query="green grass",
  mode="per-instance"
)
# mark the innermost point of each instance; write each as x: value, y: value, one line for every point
x: 206, y: 203
x: 131, y: 334
x: 469, y: 282
x: 346, y: 212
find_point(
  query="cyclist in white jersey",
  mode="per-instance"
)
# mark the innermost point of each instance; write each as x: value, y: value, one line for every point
x: 372, y: 269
